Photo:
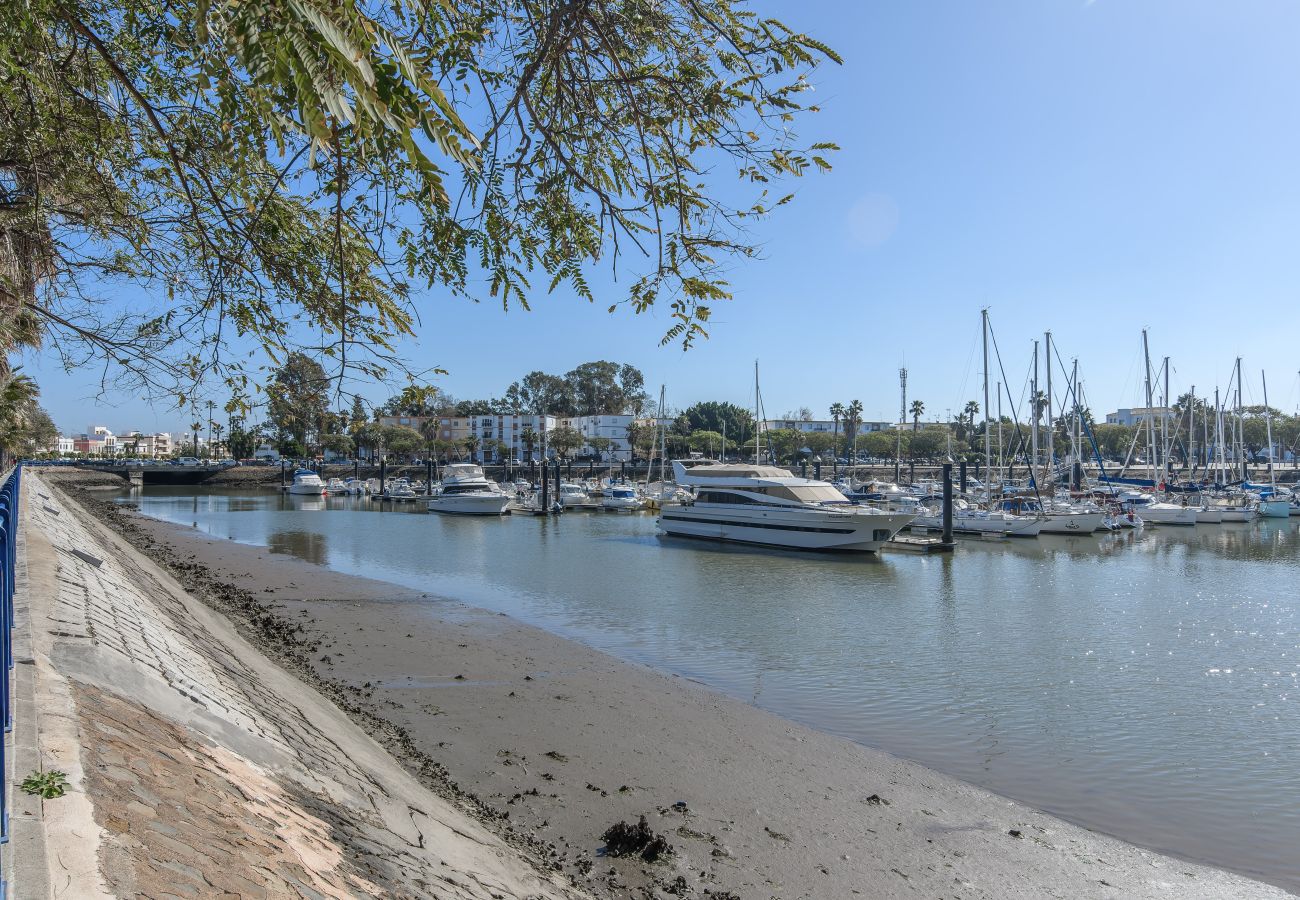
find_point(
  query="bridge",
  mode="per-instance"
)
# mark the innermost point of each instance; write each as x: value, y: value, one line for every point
x: 157, y: 474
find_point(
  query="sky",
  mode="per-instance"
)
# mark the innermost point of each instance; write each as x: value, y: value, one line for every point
x: 1089, y: 167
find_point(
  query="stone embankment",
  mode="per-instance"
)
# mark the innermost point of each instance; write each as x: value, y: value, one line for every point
x: 195, y: 766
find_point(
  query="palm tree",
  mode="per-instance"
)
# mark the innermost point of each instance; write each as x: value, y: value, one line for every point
x: 852, y: 419
x: 917, y: 408
x: 471, y: 442
x: 837, y: 412
x: 529, y: 439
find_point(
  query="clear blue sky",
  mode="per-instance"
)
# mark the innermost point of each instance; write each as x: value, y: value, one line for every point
x: 1085, y: 167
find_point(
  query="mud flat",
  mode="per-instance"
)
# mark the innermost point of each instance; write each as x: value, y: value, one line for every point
x: 551, y: 744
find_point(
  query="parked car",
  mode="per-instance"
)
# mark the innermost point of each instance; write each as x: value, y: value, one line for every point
x: 187, y: 461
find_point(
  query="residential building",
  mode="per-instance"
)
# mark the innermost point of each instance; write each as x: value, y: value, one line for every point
x: 1139, y: 415
x: 63, y: 445
x: 821, y: 426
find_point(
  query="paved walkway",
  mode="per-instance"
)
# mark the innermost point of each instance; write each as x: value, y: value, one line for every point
x: 198, y: 768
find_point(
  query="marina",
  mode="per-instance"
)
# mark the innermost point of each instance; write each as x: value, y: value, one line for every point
x: 1139, y: 682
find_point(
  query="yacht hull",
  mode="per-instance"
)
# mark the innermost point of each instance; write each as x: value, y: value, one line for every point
x: 794, y: 529
x: 1169, y: 514
x: 962, y: 524
x: 1073, y: 523
x: 1274, y: 509
x: 1209, y: 516
x: 470, y: 504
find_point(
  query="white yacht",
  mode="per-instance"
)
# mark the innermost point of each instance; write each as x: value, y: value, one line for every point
x: 336, y: 486
x: 305, y: 481
x: 1170, y: 514
x: 466, y: 491
x: 756, y: 504
x: 574, y: 496
x: 619, y: 497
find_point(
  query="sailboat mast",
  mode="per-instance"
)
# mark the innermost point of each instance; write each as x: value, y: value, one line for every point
x: 1164, y: 426
x: 984, y: 322
x: 756, y: 426
x: 663, y: 436
x: 1076, y: 431
x: 1237, y: 455
x: 1033, y: 425
x: 1218, y: 438
x: 1268, y: 426
x: 1051, y: 455
x: 1150, y: 429
x: 1191, y: 426
x: 1001, y: 457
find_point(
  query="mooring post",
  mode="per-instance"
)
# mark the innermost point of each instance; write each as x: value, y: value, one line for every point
x: 356, y: 468
x: 545, y: 504
x: 963, y: 476
x: 817, y: 469
x: 281, y: 474
x: 428, y: 476
x: 947, y: 503
x: 383, y: 469
x: 803, y: 468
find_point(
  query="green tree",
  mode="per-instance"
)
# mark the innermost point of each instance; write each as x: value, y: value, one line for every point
x: 737, y: 422
x: 600, y: 445
x: 413, y: 400
x: 784, y: 442
x: 401, y: 440
x: 641, y: 437
x: 929, y: 443
x: 338, y: 444
x: 472, y: 443
x: 236, y: 162
x: 605, y: 388
x: 541, y: 395
x: 837, y: 413
x: 297, y: 398
x: 369, y: 437
x: 241, y: 442
x: 564, y: 440
x: 357, y: 416
x: 528, y: 437
x: 705, y: 442
x: 852, y: 419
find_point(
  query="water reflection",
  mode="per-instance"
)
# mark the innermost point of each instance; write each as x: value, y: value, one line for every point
x: 1128, y: 681
x: 308, y: 545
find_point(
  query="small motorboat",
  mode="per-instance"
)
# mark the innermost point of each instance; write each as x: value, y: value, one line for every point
x: 621, y: 498
x: 307, y: 483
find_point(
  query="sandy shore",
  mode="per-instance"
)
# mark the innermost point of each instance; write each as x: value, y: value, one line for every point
x: 556, y: 742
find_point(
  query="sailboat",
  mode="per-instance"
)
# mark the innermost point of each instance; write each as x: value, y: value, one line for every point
x: 1274, y: 506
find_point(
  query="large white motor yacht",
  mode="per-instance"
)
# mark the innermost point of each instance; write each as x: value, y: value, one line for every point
x: 466, y: 491
x: 305, y: 481
x: 755, y: 504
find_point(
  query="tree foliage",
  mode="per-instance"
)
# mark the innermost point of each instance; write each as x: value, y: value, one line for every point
x: 278, y: 175
x: 297, y: 398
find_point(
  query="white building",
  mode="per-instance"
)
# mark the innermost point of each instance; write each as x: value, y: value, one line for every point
x: 612, y: 428
x: 821, y: 426
x: 1139, y: 415
x: 63, y: 445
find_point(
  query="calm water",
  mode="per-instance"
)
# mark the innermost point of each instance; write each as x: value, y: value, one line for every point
x: 1144, y: 685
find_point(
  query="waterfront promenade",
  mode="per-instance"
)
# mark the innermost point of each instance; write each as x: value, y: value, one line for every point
x: 198, y: 765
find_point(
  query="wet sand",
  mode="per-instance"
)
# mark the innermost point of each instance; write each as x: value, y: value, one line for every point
x: 556, y: 742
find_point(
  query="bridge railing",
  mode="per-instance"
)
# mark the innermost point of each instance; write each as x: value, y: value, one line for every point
x: 10, y: 484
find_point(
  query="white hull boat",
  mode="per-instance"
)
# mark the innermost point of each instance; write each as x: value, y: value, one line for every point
x: 465, y: 491
x: 1169, y: 514
x: 1274, y: 509
x: 1208, y: 515
x: 767, y: 506
x: 621, y: 499
x: 307, y: 483
x: 1073, y: 522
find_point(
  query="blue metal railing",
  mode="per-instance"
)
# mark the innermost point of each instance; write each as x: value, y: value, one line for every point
x: 9, y: 494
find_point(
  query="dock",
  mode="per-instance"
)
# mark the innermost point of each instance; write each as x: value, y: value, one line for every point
x: 919, y: 544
